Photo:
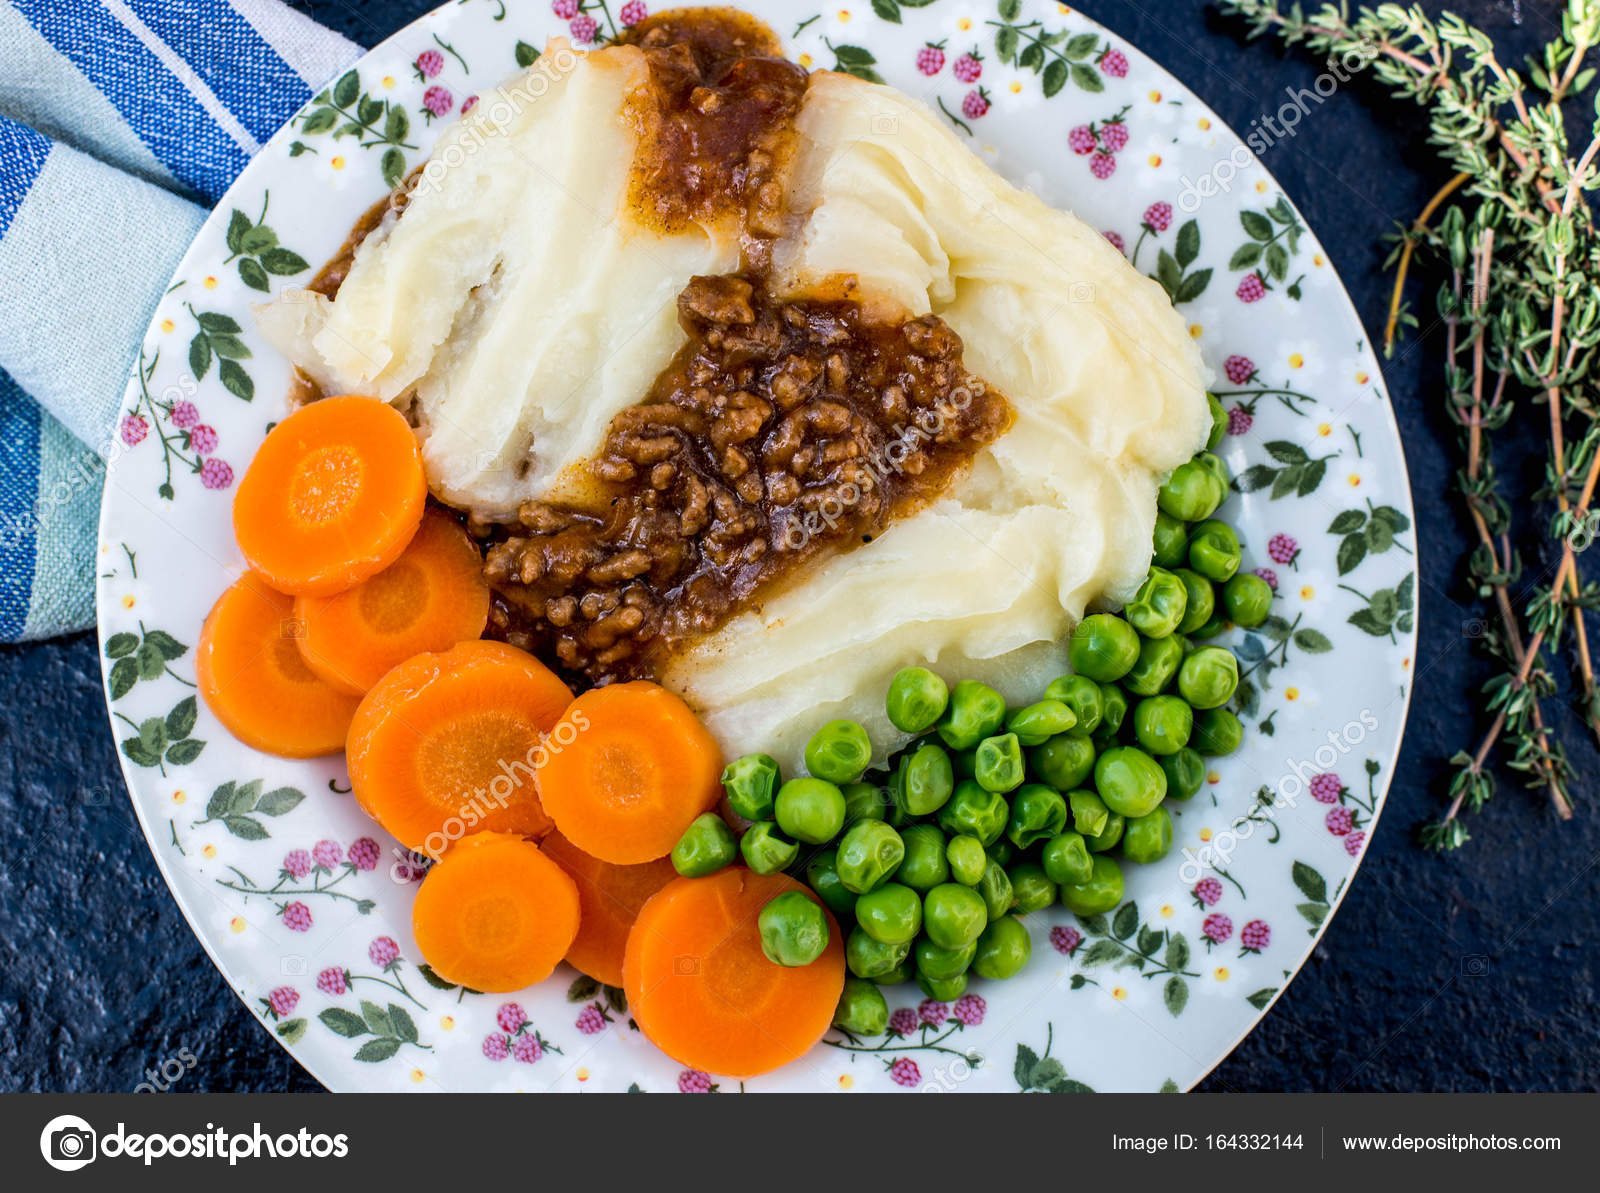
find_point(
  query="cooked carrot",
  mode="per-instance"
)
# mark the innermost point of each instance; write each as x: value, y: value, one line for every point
x: 333, y: 496
x: 609, y: 899
x: 447, y: 744
x: 430, y: 598
x: 702, y: 990
x: 641, y: 768
x: 252, y: 676
x: 495, y: 914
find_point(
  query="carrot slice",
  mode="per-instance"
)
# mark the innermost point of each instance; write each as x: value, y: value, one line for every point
x: 333, y: 496
x: 642, y: 767
x: 446, y: 744
x: 609, y: 899
x: 495, y: 914
x: 253, y: 679
x: 702, y: 990
x: 430, y: 598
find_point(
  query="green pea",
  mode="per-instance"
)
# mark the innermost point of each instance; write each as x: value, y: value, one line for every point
x: 1201, y: 598
x: 1003, y: 949
x: 927, y: 779
x: 749, y: 783
x: 894, y: 797
x: 1214, y: 551
x: 953, y: 915
x: 1001, y: 851
x: 706, y: 846
x: 1037, y: 812
x: 1031, y: 887
x: 1083, y: 696
x: 1248, y: 599
x: 1159, y: 660
x: 1129, y: 780
x: 1171, y: 541
x: 976, y: 711
x: 810, y: 810
x: 764, y: 851
x: 1217, y: 467
x: 1147, y: 838
x: 1108, y: 837
x: 862, y: 1009
x: 983, y: 814
x: 903, y: 972
x: 794, y: 930
x: 1219, y: 423
x: 1163, y: 724
x: 1066, y: 858
x: 869, y: 854
x: 1089, y: 812
x: 1039, y: 722
x: 1159, y: 605
x: 967, y: 859
x: 917, y: 699
x: 998, y: 765
x: 822, y: 875
x: 1114, y: 702
x: 925, y: 864
x: 839, y: 752
x: 1217, y: 732
x: 1209, y: 677
x: 1192, y: 492
x: 995, y: 888
x: 869, y: 958
x: 1186, y: 773
x: 1100, y: 893
x: 941, y: 963
x: 943, y: 989
x: 1064, y: 762
x: 1103, y: 647
x: 890, y: 914
x: 864, y: 801
x: 1212, y: 628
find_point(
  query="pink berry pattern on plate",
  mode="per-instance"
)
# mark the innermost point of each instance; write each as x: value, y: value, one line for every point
x: 306, y: 905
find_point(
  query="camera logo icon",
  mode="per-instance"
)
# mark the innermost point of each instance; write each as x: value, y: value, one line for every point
x: 67, y: 1143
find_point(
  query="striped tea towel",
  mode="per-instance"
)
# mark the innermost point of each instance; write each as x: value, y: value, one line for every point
x: 121, y: 122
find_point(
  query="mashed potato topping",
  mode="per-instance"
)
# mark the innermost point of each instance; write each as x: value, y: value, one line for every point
x: 520, y: 305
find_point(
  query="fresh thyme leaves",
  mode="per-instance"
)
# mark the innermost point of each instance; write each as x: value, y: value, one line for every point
x: 1517, y: 252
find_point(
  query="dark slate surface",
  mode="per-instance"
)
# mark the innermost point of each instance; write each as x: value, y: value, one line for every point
x: 102, y: 978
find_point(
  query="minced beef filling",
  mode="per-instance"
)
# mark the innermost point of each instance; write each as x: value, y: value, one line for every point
x: 780, y: 431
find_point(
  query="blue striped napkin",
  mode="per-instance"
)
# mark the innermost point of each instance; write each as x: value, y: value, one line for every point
x: 121, y: 122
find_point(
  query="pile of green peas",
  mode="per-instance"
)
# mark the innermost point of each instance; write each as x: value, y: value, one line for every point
x: 992, y: 812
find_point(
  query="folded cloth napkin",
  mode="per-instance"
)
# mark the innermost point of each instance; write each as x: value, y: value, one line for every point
x: 121, y: 122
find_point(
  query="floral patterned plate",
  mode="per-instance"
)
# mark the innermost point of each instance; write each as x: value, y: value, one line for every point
x: 305, y: 904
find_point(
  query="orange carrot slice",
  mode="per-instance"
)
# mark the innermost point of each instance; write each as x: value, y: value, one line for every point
x: 430, y: 598
x: 333, y: 496
x: 495, y: 914
x: 447, y: 744
x: 609, y: 899
x: 253, y: 679
x: 702, y: 990
x: 641, y: 769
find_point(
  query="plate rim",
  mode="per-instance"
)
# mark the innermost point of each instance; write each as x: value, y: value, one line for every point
x: 171, y: 875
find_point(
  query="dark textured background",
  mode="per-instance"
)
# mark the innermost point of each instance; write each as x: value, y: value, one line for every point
x: 101, y: 977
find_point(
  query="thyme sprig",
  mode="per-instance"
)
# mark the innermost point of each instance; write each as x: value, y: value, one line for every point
x: 1517, y: 250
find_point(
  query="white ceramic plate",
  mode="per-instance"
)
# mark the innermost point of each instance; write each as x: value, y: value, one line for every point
x: 305, y: 904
